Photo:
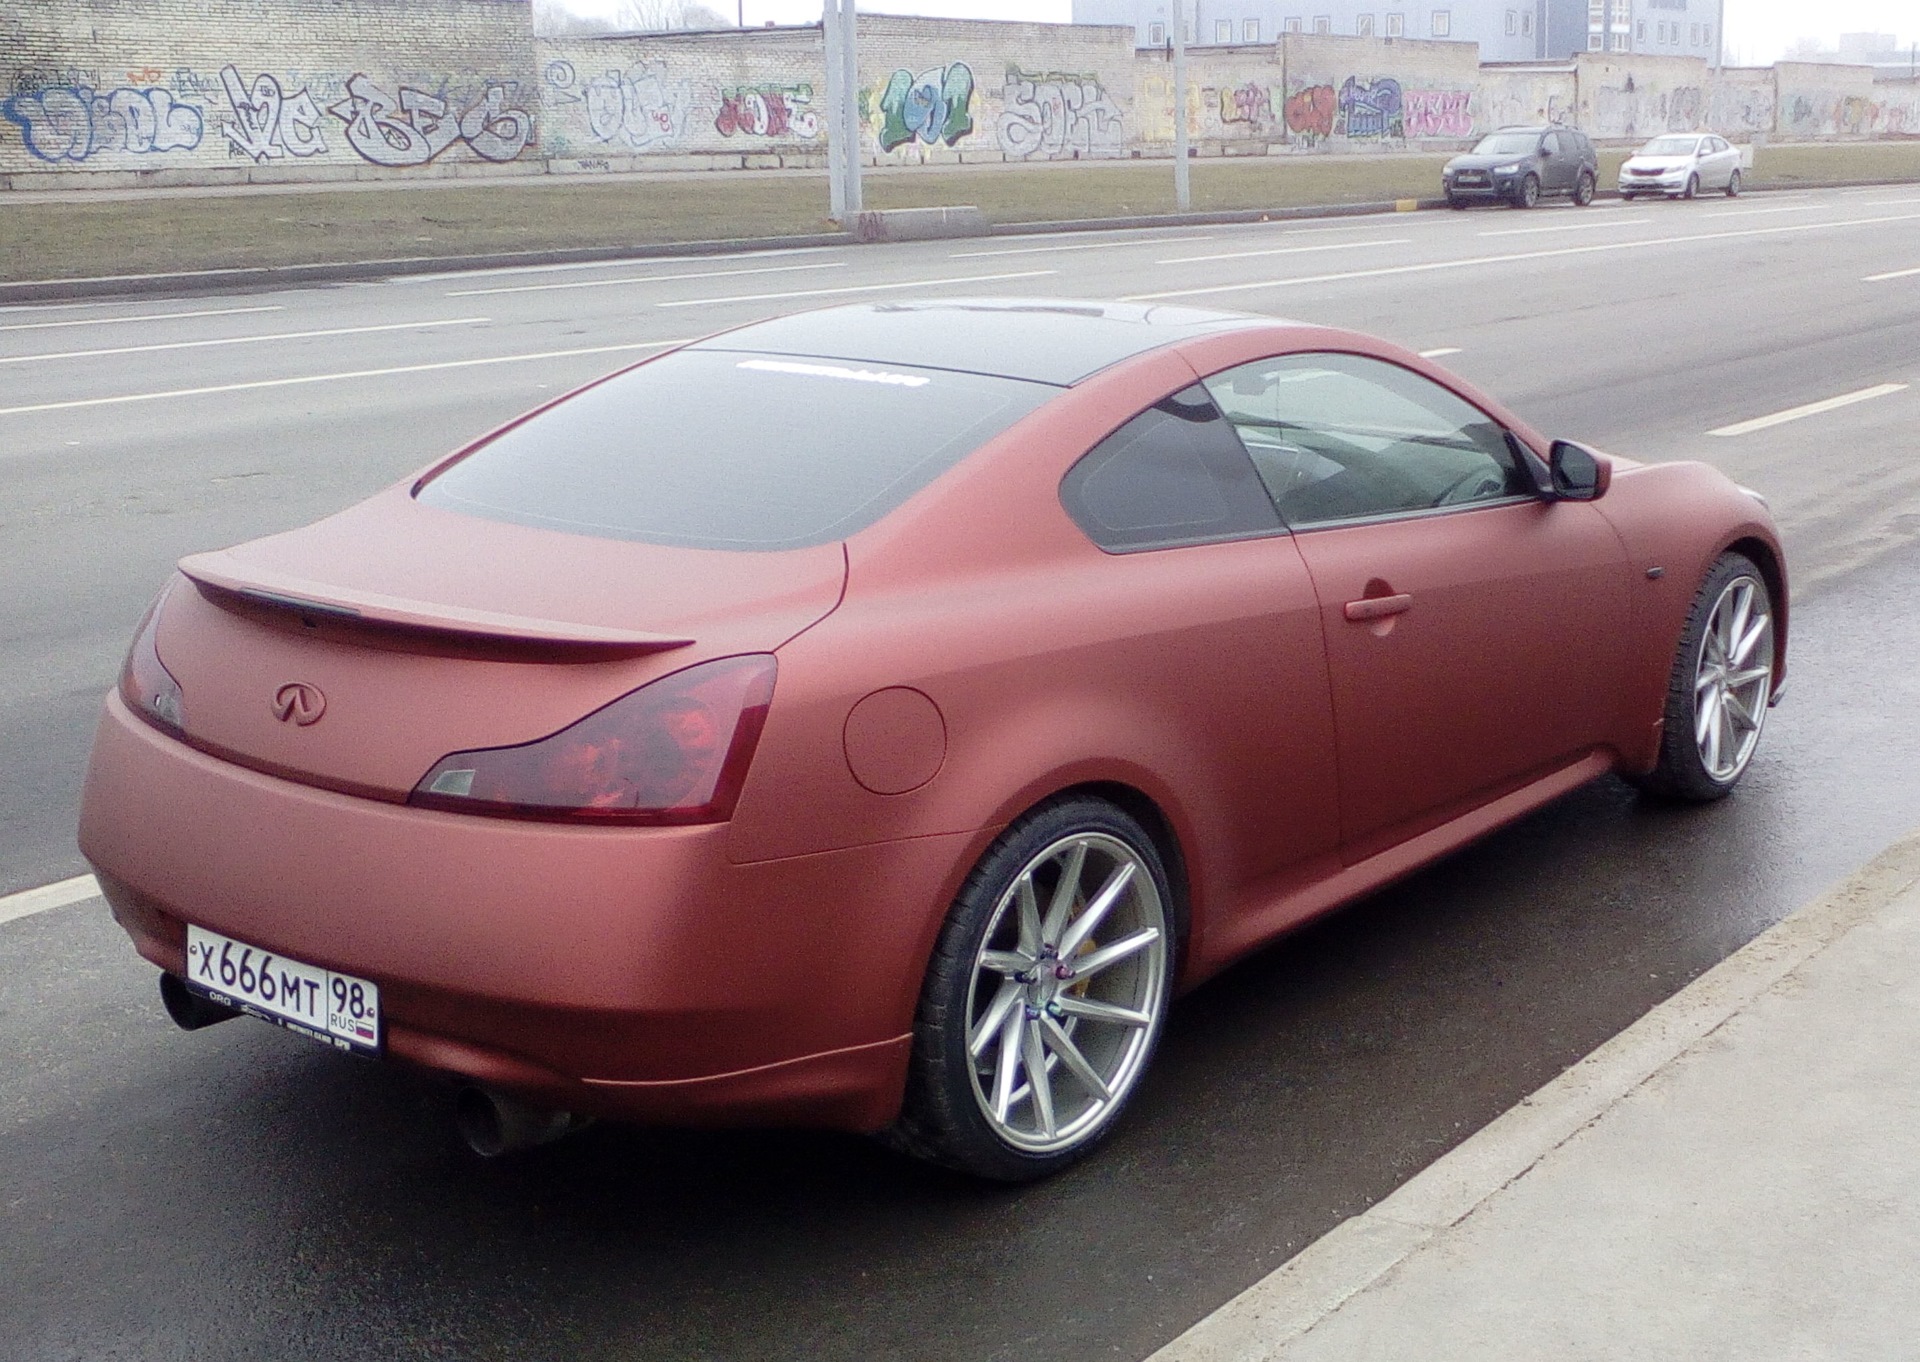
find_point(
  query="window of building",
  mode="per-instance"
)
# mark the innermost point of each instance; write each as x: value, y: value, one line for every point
x: 1526, y: 22
x: 1442, y: 23
x: 1363, y: 25
x: 1619, y: 42
x: 1695, y: 35
x: 1640, y: 31
x: 1593, y: 42
x: 1293, y: 25
x: 1186, y: 30
x: 1396, y: 25
x: 1706, y: 34
x: 1513, y: 22
x: 1223, y: 31
x: 1156, y: 35
x: 1322, y: 23
x: 1250, y: 31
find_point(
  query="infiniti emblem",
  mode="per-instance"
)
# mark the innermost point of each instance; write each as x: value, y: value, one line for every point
x: 298, y: 703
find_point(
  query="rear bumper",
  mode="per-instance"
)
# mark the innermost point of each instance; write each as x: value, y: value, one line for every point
x: 632, y: 972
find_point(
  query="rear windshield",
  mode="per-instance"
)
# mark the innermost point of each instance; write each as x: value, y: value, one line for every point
x: 716, y: 449
x: 1507, y: 144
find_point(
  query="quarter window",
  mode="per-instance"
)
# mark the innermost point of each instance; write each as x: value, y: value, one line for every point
x: 1343, y: 437
x: 1175, y: 474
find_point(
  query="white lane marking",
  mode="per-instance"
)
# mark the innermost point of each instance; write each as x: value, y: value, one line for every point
x: 142, y: 317
x: 1076, y: 246
x: 641, y: 279
x: 1443, y: 350
x: 1472, y: 260
x: 48, y: 897
x: 1568, y: 227
x: 572, y: 266
x: 1287, y: 250
x: 1756, y: 212
x: 243, y: 340
x: 1779, y: 418
x: 857, y: 288
x: 1890, y: 274
x: 340, y: 377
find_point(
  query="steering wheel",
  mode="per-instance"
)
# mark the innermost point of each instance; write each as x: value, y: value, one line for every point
x: 1478, y: 485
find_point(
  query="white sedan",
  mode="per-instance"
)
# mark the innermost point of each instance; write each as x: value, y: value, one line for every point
x: 1680, y: 165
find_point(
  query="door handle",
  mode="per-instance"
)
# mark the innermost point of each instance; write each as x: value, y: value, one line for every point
x: 1378, y: 607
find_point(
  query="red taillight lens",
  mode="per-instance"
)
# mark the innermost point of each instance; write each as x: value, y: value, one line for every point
x: 674, y: 751
x: 145, y: 684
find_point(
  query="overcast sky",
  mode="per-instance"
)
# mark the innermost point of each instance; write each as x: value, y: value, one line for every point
x: 1757, y: 30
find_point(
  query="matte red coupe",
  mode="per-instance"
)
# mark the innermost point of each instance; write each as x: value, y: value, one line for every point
x: 870, y: 718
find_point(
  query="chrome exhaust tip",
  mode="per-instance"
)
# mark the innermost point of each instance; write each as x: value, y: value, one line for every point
x: 492, y: 1123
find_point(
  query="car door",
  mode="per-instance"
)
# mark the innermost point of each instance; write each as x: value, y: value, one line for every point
x: 1726, y: 160
x: 1553, y: 165
x: 1471, y: 625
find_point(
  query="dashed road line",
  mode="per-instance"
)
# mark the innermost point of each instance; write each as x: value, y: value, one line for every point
x: 642, y: 279
x: 1075, y: 246
x: 141, y: 317
x: 855, y: 288
x: 48, y: 897
x: 1568, y: 227
x: 242, y: 340
x: 1286, y: 250
x: 1890, y: 274
x: 1780, y: 418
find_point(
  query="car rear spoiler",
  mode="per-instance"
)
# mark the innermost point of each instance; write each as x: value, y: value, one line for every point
x: 219, y: 574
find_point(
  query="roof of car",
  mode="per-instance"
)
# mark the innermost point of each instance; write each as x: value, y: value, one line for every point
x: 1042, y: 340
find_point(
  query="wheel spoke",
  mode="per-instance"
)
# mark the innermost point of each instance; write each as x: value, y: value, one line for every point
x: 1064, y: 893
x: 1090, y: 964
x: 1027, y: 909
x: 1742, y: 611
x: 1729, y: 736
x: 1712, y: 720
x: 1062, y: 1045
x: 1039, y: 1085
x: 1095, y: 1010
x: 1704, y: 715
x: 1741, y: 679
x: 1006, y: 962
x: 995, y: 1017
x: 1744, y: 648
x: 1743, y: 718
x: 1102, y: 904
x: 1007, y: 1068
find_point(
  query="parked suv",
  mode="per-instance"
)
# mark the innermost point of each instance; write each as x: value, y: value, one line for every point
x: 1523, y: 165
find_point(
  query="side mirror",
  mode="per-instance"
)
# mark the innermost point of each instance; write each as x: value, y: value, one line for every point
x: 1578, y: 473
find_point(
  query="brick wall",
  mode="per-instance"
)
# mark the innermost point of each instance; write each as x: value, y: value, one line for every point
x: 206, y: 90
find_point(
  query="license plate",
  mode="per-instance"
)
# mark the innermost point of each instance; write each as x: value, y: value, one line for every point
x: 339, y: 1009
x: 1473, y: 179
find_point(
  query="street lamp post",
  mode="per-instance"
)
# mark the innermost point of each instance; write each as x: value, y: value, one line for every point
x: 1182, y: 191
x: 843, y: 110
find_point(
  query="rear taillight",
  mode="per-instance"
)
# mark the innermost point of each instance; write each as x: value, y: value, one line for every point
x: 674, y: 751
x: 145, y: 684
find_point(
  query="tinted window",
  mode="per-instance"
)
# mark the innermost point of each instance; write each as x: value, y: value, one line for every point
x: 1507, y: 144
x: 1343, y: 437
x: 714, y: 450
x: 1550, y: 144
x: 1174, y: 474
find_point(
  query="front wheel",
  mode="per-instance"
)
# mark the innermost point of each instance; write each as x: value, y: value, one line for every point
x: 1455, y: 201
x: 1693, y: 187
x: 1045, y: 996
x: 1733, y: 185
x: 1529, y: 192
x: 1583, y: 190
x: 1720, y: 686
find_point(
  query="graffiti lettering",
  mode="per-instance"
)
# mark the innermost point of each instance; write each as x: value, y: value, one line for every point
x: 1371, y: 108
x: 934, y: 106
x: 638, y: 106
x: 1310, y: 113
x: 1249, y: 103
x: 767, y: 111
x: 1439, y: 113
x: 1057, y: 116
x: 413, y: 128
x: 72, y: 123
x: 1684, y: 107
x: 266, y: 124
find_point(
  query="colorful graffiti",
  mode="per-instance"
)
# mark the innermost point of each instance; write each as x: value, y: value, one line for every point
x: 1439, y: 113
x: 267, y: 124
x: 639, y: 107
x: 934, y: 106
x: 1310, y: 113
x: 1057, y: 117
x: 413, y: 127
x: 767, y: 111
x: 1250, y: 103
x: 1371, y: 108
x: 1739, y: 108
x: 70, y: 123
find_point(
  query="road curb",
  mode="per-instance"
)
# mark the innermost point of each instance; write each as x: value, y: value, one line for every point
x: 1261, y: 1321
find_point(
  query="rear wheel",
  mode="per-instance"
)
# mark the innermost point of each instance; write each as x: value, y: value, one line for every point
x: 1733, y: 185
x: 1721, y: 682
x: 1583, y: 189
x: 1045, y: 996
x: 1528, y: 194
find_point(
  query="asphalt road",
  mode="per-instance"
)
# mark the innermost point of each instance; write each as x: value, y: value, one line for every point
x: 239, y: 1193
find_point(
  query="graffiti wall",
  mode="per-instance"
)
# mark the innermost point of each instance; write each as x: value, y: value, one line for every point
x: 1352, y: 93
x: 312, y: 91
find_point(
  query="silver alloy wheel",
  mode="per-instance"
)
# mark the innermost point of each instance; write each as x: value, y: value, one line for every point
x: 1733, y: 679
x: 1067, y: 992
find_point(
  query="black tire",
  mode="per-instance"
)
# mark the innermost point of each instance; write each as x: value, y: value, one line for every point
x: 1693, y: 188
x: 948, y: 1115
x: 1626, y: 197
x: 1733, y: 185
x: 1528, y: 194
x: 1583, y: 190
x: 1455, y: 201
x: 1682, y: 772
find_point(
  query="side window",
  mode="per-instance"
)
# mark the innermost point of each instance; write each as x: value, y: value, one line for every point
x: 1344, y: 437
x: 1175, y: 474
x: 1551, y: 144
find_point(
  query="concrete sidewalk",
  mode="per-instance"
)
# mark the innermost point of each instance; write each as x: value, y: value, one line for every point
x: 1737, y: 1175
